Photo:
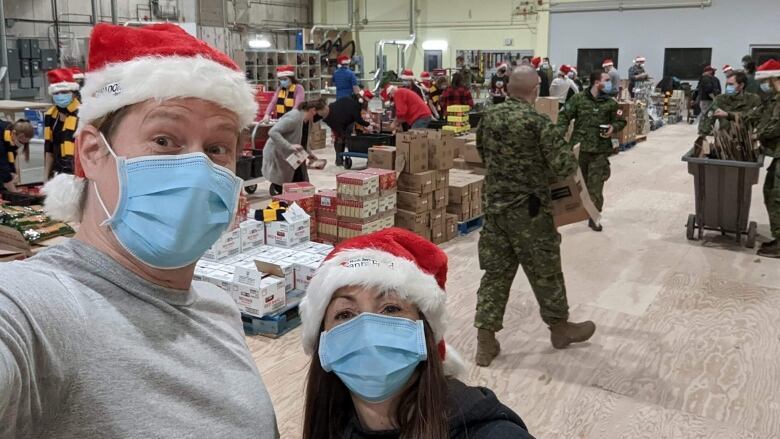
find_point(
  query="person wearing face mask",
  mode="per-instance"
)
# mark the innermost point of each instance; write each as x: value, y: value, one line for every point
x: 374, y: 321
x: 344, y: 79
x: 767, y: 122
x: 107, y: 334
x: 636, y: 74
x: 562, y: 85
x: 547, y: 69
x: 410, y: 83
x: 289, y: 95
x: 499, y: 83
x: 60, y: 123
x: 735, y: 101
x: 438, y: 87
x: 614, y: 76
x: 522, y: 152
x: 284, y: 142
x: 590, y: 110
x: 16, y: 137
x: 544, y: 85
x: 749, y: 67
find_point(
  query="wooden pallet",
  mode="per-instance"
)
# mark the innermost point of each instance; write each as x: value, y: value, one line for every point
x: 468, y: 226
x: 641, y: 138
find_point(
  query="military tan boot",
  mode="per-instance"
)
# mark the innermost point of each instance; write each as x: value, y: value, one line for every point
x: 565, y: 333
x: 488, y: 347
x: 770, y: 251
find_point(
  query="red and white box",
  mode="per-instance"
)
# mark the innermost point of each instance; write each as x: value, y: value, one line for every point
x: 325, y: 203
x: 351, y: 230
x: 357, y: 210
x: 388, y: 180
x: 303, y: 187
x: 357, y: 185
x: 387, y: 202
x: 328, y: 227
x: 304, y: 201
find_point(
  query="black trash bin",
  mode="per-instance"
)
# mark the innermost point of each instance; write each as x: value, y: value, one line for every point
x: 244, y: 168
x: 723, y: 191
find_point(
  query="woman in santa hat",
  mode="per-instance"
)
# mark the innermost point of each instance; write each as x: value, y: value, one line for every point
x: 289, y: 94
x: 374, y: 319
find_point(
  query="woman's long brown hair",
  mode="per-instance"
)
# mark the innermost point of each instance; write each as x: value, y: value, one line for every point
x: 421, y: 413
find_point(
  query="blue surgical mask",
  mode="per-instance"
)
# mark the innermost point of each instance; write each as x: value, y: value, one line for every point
x: 62, y: 100
x: 284, y: 83
x: 766, y: 87
x: 731, y: 89
x: 607, y: 87
x: 374, y: 355
x: 171, y: 208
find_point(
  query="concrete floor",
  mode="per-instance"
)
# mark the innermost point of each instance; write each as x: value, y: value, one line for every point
x: 688, y: 332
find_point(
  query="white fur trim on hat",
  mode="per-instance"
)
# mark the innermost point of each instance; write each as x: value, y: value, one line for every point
x: 375, y: 268
x: 285, y: 74
x: 63, y: 86
x: 63, y: 197
x: 766, y: 74
x: 121, y: 84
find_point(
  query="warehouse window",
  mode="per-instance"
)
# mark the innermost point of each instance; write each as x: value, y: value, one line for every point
x: 765, y: 53
x: 589, y: 60
x: 686, y: 63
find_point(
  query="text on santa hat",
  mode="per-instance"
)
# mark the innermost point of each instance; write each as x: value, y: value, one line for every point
x: 364, y: 262
x: 112, y: 89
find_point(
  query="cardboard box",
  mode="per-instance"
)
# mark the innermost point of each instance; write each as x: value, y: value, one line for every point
x: 425, y: 234
x: 458, y: 144
x: 252, y: 234
x: 382, y: 157
x: 476, y: 209
x: 271, y: 266
x: 421, y: 182
x: 352, y: 230
x: 387, y: 220
x: 295, y: 229
x: 388, y: 179
x: 463, y: 210
x: 388, y: 202
x: 306, y: 202
x: 459, y: 189
x: 567, y: 205
x: 325, y: 203
x: 303, y: 187
x: 259, y: 294
x: 357, y: 210
x: 412, y: 220
x: 328, y: 227
x: 229, y: 244
x: 470, y: 153
x: 440, y: 154
x: 414, y: 149
x: 437, y: 234
x: 357, y: 185
x: 548, y: 106
x: 442, y: 179
x: 414, y: 202
x: 440, y: 199
x: 450, y: 227
x: 305, y: 265
x: 437, y: 218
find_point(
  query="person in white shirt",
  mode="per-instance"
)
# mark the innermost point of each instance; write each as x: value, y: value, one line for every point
x: 562, y: 84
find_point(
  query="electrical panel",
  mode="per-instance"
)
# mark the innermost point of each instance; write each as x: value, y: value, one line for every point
x: 24, y: 48
x: 48, y: 59
x: 14, y: 67
x: 35, y: 49
x: 35, y: 67
x: 25, y: 82
x: 25, y: 65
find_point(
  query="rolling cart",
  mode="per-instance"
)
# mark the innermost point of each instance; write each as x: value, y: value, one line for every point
x: 723, y: 191
x: 357, y: 146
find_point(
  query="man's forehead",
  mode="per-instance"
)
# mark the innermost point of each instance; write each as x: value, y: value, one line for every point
x: 179, y: 109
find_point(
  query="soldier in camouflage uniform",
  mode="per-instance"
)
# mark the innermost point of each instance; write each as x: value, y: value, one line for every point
x: 735, y: 101
x: 522, y: 152
x: 768, y: 132
x: 589, y: 109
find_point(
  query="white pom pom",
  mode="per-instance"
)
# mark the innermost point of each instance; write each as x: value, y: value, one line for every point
x: 63, y: 197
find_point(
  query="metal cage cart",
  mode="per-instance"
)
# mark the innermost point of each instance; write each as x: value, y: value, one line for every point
x: 723, y: 191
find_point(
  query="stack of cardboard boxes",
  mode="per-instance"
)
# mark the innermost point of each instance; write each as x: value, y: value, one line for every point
x: 548, y: 106
x: 457, y: 119
x: 465, y: 195
x: 316, y: 136
x: 422, y: 185
x: 628, y: 112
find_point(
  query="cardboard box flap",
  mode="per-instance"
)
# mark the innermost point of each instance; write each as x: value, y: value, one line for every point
x: 269, y: 268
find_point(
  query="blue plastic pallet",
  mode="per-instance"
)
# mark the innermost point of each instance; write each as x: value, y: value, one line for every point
x: 469, y: 226
x: 277, y: 324
x: 627, y: 146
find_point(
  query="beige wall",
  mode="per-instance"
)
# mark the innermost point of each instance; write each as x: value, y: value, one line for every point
x: 464, y: 24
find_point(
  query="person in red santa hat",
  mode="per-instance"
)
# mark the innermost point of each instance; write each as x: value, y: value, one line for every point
x: 374, y: 323
x: 410, y: 109
x: 768, y: 132
x: 499, y: 83
x: 289, y: 94
x: 107, y: 334
x: 425, y: 80
x: 411, y: 83
x: 544, y: 81
x: 79, y: 77
x: 344, y: 79
x: 727, y: 71
x: 614, y: 76
x: 60, y: 123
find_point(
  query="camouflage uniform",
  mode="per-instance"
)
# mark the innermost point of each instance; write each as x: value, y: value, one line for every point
x: 742, y: 103
x: 633, y: 72
x: 768, y: 132
x: 588, y: 113
x: 523, y: 152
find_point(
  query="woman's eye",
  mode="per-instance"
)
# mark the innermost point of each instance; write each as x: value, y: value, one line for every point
x: 163, y: 141
x: 344, y: 315
x: 391, y: 309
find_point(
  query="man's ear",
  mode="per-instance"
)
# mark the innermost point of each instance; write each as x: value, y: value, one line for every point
x: 92, y: 151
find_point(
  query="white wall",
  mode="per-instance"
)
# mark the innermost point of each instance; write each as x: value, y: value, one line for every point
x: 729, y: 27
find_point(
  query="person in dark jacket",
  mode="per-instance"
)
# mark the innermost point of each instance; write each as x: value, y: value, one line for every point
x: 343, y: 115
x: 374, y: 318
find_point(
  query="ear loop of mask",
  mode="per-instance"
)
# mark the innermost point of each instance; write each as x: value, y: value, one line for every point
x: 94, y: 184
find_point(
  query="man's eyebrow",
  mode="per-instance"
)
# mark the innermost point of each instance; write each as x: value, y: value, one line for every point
x: 163, y: 114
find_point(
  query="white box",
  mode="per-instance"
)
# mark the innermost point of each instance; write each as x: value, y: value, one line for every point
x: 294, y: 230
x: 252, y: 235
x: 321, y: 249
x: 224, y: 281
x: 258, y: 295
x: 229, y: 244
x: 277, y: 267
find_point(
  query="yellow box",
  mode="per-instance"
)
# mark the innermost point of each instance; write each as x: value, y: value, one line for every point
x: 458, y: 109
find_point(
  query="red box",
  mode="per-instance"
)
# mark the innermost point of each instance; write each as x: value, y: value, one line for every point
x: 328, y: 228
x: 325, y: 203
x: 388, y: 180
x: 306, y: 202
x: 351, y: 230
x: 357, y: 210
x: 356, y: 185
x: 303, y: 187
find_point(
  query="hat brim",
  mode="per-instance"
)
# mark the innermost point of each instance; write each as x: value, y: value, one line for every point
x: 60, y: 87
x: 766, y: 74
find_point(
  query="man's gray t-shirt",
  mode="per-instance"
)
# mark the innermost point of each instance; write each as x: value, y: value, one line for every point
x: 614, y: 77
x: 88, y: 349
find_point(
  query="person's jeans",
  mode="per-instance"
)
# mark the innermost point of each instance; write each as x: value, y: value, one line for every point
x: 421, y: 123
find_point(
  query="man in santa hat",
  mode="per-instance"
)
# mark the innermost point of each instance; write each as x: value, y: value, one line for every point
x: 107, y: 335
x: 636, y: 74
x: 344, y: 79
x: 60, y: 123
x: 609, y: 66
x: 561, y: 85
x: 499, y: 83
x: 544, y: 81
x: 411, y: 83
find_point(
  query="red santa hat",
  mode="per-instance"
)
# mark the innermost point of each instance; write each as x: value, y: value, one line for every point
x: 607, y: 63
x: 425, y: 76
x: 392, y: 260
x: 129, y: 65
x: 367, y: 94
x: 536, y: 61
x: 343, y: 60
x: 639, y: 59
x: 61, y: 80
x: 285, y: 71
x: 564, y: 69
x: 709, y: 69
x: 727, y: 69
x: 502, y: 65
x: 407, y: 74
x: 769, y: 69
x: 77, y: 73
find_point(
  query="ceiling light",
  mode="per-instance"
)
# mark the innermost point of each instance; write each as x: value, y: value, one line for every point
x: 434, y: 45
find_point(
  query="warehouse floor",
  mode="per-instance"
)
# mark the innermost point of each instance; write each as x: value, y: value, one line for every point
x: 688, y: 333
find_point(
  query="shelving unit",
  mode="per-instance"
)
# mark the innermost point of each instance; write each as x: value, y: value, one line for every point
x: 261, y: 67
x: 486, y: 60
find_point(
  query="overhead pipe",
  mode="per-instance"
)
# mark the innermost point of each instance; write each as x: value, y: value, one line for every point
x: 55, y: 18
x: 566, y: 7
x: 113, y: 12
x: 94, y: 12
x: 399, y: 43
x: 338, y: 27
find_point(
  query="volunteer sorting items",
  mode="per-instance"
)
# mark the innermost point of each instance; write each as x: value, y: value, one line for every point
x: 289, y: 95
x: 16, y: 136
x: 374, y: 321
x: 106, y: 335
x: 284, y: 158
x: 60, y: 122
x: 409, y: 108
x: 343, y: 115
